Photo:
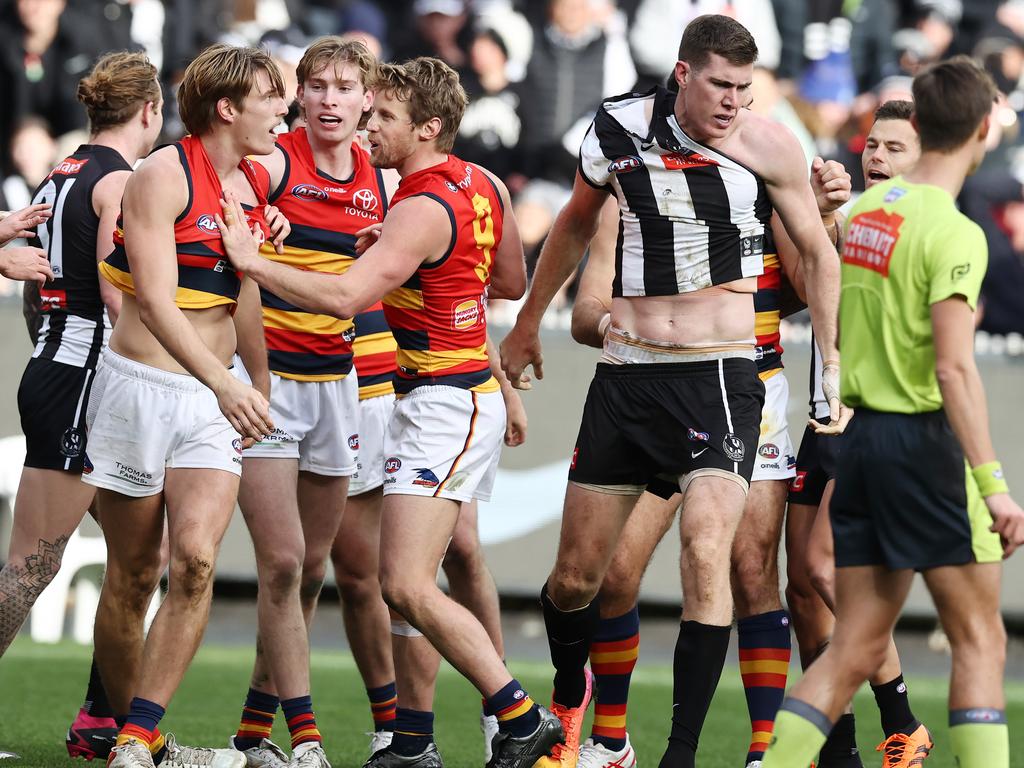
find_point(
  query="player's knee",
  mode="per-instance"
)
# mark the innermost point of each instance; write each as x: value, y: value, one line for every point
x: 860, y: 657
x: 135, y: 589
x: 753, y: 576
x: 281, y: 573
x: 571, y: 588
x: 309, y: 588
x: 620, y: 589
x: 978, y: 635
x: 822, y: 576
x: 400, y: 594
x: 191, y: 576
x: 357, y: 588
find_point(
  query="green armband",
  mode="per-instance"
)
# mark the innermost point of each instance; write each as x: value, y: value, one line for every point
x: 989, y: 477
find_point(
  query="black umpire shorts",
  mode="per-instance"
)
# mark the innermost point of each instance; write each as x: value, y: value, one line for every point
x: 52, y: 401
x: 668, y: 420
x: 816, y: 463
x: 904, y: 498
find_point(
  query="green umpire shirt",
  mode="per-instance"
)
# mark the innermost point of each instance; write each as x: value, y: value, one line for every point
x: 907, y: 247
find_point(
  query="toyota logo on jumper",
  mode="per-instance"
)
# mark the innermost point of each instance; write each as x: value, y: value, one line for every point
x: 365, y: 199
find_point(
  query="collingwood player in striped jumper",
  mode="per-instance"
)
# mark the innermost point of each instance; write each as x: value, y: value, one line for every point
x: 677, y: 394
x: 123, y: 101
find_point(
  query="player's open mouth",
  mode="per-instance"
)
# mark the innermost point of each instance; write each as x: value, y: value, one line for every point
x: 876, y: 175
x: 330, y: 120
x: 724, y: 120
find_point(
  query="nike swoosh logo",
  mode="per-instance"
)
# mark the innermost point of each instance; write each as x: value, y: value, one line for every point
x: 695, y: 454
x: 645, y: 147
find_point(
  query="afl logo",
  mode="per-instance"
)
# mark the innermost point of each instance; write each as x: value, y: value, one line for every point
x: 365, y: 199
x: 392, y: 465
x: 309, y: 192
x: 353, y: 442
x: 625, y: 164
x: 769, y: 451
x: 207, y: 223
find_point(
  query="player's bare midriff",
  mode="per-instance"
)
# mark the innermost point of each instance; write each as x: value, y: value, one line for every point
x: 132, y: 339
x: 722, y: 313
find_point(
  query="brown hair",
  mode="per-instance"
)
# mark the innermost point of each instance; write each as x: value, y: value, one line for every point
x: 334, y: 50
x: 895, y: 109
x: 221, y: 72
x: 713, y: 33
x: 951, y: 99
x: 432, y: 89
x: 116, y: 88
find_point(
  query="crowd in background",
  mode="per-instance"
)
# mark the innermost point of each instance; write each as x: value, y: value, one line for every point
x: 535, y: 71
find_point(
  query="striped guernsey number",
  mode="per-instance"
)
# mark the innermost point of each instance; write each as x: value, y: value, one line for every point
x: 49, y: 234
x: 483, y: 233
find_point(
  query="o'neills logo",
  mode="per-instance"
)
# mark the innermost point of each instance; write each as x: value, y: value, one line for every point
x: 871, y: 239
x: 466, y: 314
x: 68, y: 167
x: 309, y: 192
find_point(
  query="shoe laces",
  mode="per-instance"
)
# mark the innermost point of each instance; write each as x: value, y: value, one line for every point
x: 313, y: 757
x: 178, y: 755
x: 135, y: 751
x: 897, y: 752
x: 571, y: 731
x: 591, y: 755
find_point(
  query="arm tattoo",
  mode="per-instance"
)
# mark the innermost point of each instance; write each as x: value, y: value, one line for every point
x: 21, y: 582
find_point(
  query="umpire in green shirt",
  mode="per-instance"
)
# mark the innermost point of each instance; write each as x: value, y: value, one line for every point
x: 918, y: 486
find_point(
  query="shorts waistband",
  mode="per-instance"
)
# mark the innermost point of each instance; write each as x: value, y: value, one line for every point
x: 699, y: 368
x: 623, y: 348
x: 180, y: 382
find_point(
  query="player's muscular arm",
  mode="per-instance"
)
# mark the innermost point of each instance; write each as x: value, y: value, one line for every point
x: 570, y: 235
x: 153, y: 197
x: 106, y: 202
x: 415, y: 231
x: 963, y: 397
x: 591, y: 312
x: 508, y: 267
x: 250, y: 342
x: 792, y: 197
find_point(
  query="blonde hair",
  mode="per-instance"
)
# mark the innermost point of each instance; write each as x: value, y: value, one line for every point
x: 221, y: 72
x: 432, y: 89
x: 334, y: 50
x: 116, y: 88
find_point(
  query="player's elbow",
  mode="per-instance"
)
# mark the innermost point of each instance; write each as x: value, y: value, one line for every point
x: 507, y: 286
x: 952, y: 371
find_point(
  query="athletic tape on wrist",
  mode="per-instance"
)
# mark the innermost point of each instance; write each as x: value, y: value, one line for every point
x: 989, y: 477
x: 602, y: 326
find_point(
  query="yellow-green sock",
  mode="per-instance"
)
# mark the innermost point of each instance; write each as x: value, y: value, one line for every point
x: 800, y: 730
x: 980, y: 736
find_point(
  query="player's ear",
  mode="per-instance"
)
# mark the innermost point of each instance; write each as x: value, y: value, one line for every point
x: 226, y: 110
x: 431, y: 129
x: 985, y: 127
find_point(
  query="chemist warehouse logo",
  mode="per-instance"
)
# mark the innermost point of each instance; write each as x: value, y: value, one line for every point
x: 871, y: 239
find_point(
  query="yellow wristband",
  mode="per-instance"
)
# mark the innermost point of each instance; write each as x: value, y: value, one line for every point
x: 989, y: 477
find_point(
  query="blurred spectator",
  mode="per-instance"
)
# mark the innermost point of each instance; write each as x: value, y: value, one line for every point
x: 771, y: 102
x: 355, y: 17
x: 860, y: 29
x: 930, y: 36
x: 45, y: 52
x: 791, y: 17
x: 490, y: 129
x: 659, y: 24
x: 574, y: 65
x: 33, y: 154
x: 995, y: 200
x: 439, y: 29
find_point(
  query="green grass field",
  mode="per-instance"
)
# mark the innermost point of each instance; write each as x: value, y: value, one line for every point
x: 42, y: 687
